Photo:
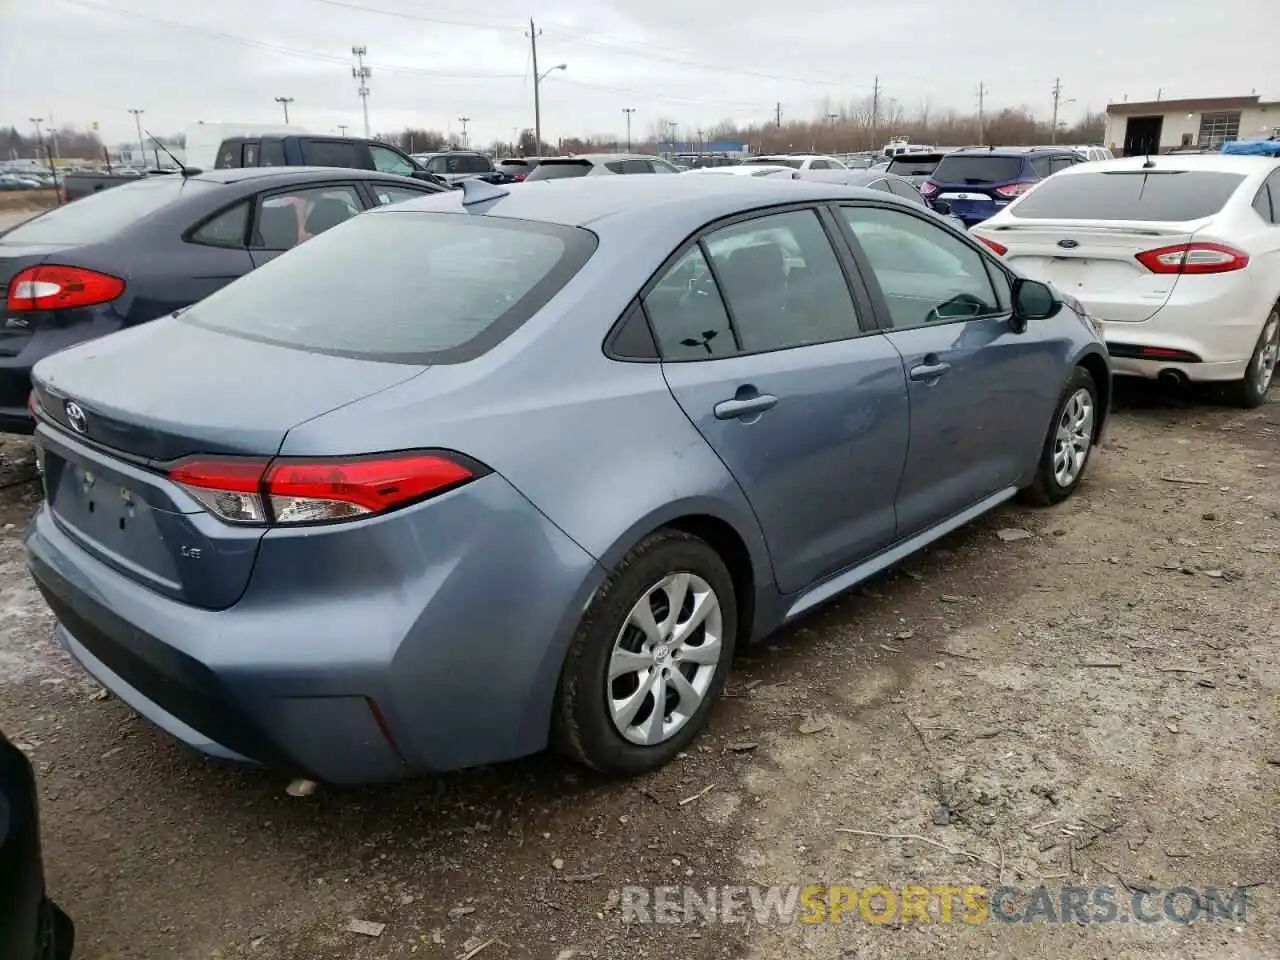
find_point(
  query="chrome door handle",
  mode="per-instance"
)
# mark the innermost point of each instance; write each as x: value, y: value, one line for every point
x: 745, y: 407
x: 929, y: 371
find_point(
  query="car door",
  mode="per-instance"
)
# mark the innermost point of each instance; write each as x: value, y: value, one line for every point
x: 284, y: 218
x: 976, y: 386
x: 767, y: 348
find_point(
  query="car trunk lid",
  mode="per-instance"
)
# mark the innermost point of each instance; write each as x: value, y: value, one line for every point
x: 17, y: 327
x: 188, y: 391
x: 1095, y: 262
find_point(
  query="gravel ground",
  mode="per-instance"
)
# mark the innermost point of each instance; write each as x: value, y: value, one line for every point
x: 1091, y: 703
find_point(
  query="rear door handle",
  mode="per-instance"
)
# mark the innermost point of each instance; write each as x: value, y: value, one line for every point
x: 929, y: 371
x: 745, y: 407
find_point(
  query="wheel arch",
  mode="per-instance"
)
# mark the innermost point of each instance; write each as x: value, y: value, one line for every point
x: 1096, y: 364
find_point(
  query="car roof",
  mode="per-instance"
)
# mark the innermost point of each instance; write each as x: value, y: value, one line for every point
x: 599, y: 157
x: 1006, y: 151
x: 857, y: 177
x: 304, y: 174
x: 1224, y: 163
x: 686, y: 202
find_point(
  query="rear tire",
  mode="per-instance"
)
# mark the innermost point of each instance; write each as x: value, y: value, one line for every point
x: 659, y: 631
x: 1069, y: 445
x: 1251, y: 390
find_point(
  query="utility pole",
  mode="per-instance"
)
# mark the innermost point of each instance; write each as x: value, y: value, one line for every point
x: 777, y: 114
x: 537, y: 94
x: 675, y: 129
x: 982, y: 102
x: 466, y: 140
x: 342, y: 129
x: 875, y: 111
x: 142, y: 147
x: 284, y: 102
x: 628, y: 111
x: 1057, y: 98
x: 361, y: 73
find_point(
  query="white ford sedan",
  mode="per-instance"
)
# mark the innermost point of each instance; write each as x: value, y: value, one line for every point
x: 1177, y: 256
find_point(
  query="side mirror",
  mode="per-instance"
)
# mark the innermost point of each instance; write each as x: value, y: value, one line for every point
x: 942, y: 207
x: 1033, y: 300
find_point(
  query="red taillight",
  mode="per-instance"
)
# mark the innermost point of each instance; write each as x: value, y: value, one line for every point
x: 998, y: 249
x: 54, y: 287
x: 296, y: 490
x: 1012, y: 190
x: 929, y: 189
x: 1194, y: 258
x: 519, y: 176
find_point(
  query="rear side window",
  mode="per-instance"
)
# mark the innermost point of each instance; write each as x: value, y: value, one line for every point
x: 977, y: 169
x: 559, y: 171
x: 1172, y: 196
x: 271, y: 153
x: 330, y: 153
x: 227, y: 229
x: 228, y: 155
x: 402, y: 287
x: 104, y: 214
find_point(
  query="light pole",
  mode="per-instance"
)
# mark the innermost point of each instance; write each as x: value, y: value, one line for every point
x: 142, y: 147
x: 675, y: 127
x: 342, y: 129
x: 466, y: 139
x: 1059, y: 102
x: 628, y: 111
x: 537, y: 100
x: 284, y: 102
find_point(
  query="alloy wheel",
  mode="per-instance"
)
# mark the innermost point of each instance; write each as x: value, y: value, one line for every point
x: 664, y: 658
x: 1074, y: 437
x: 1268, y: 353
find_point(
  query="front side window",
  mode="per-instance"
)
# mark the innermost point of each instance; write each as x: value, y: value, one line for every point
x: 388, y: 161
x: 927, y: 275
x: 782, y: 282
x: 287, y: 219
x: 1060, y: 163
x: 271, y: 153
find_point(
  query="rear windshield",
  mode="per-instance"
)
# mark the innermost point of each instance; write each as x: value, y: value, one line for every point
x: 553, y: 170
x: 468, y: 163
x: 906, y: 167
x: 102, y: 215
x: 977, y: 169
x: 795, y: 163
x: 402, y: 287
x: 1174, y: 196
x: 516, y: 163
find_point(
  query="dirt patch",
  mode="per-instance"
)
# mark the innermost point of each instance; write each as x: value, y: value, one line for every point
x: 27, y: 201
x: 1094, y: 704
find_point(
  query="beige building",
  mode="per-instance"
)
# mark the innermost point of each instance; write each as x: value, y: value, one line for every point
x: 1158, y: 126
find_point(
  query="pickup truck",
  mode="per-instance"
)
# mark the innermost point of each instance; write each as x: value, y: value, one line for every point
x: 319, y: 151
x: 77, y: 185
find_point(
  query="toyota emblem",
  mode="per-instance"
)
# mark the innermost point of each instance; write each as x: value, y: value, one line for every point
x: 1068, y: 244
x: 75, y: 417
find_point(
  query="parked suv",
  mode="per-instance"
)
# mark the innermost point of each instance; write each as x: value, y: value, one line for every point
x: 454, y: 166
x: 311, y: 151
x: 980, y: 181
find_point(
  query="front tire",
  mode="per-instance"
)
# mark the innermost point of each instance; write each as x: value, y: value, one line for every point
x: 1069, y: 444
x: 1251, y: 391
x: 649, y: 658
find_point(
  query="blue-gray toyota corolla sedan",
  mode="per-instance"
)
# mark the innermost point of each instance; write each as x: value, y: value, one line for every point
x: 470, y: 475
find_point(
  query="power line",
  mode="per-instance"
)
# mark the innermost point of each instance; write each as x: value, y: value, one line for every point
x: 317, y: 56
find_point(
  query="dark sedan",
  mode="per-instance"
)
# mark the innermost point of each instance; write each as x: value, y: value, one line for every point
x: 31, y: 927
x: 143, y: 250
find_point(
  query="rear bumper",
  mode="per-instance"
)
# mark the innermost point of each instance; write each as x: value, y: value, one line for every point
x: 428, y: 639
x: 1215, y: 319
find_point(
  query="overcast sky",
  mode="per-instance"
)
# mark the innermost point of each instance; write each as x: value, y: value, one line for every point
x: 692, y: 61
